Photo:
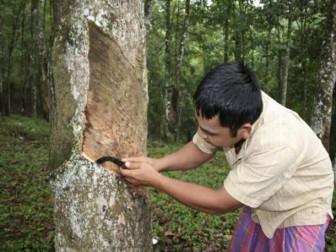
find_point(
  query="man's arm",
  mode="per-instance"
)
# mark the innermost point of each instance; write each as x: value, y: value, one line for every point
x: 188, y: 157
x: 212, y: 201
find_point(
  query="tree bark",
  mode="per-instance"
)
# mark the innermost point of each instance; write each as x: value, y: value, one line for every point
x: 99, y: 106
x: 332, y: 151
x: 7, y: 82
x: 174, y: 104
x: 226, y: 26
x: 237, y: 35
x: 167, y: 77
x: 268, y: 44
x: 2, y: 48
x: 286, y: 59
x: 303, y: 37
x: 321, y: 118
x: 34, y: 56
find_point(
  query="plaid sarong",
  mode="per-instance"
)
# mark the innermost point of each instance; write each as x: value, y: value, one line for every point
x: 249, y: 237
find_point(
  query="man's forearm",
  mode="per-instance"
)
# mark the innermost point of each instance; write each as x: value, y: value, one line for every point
x: 189, y: 156
x: 211, y: 201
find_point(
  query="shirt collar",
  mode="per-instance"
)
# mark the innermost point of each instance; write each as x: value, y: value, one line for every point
x: 260, y: 120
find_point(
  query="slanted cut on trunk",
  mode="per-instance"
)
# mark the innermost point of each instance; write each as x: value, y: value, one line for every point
x: 111, y: 111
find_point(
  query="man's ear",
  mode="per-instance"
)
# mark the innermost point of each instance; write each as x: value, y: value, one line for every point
x: 245, y: 130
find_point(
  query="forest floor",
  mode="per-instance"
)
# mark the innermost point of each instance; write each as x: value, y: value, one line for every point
x: 26, y: 210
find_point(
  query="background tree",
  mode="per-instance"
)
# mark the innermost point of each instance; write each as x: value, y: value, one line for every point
x: 175, y: 111
x: 284, y: 68
x: 167, y: 76
x: 99, y: 101
x: 321, y: 118
x: 2, y: 105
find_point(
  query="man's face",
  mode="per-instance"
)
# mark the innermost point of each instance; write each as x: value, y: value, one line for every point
x: 214, y: 133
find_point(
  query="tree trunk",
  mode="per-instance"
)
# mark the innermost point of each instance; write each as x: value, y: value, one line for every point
x: 44, y: 60
x: 268, y: 41
x: 279, y: 67
x: 99, y: 108
x: 40, y: 98
x: 34, y: 66
x: 237, y: 35
x: 47, y: 89
x: 303, y: 36
x: 226, y: 26
x: 2, y: 48
x: 174, y: 104
x: 332, y: 151
x: 321, y: 118
x: 7, y: 79
x: 167, y: 85
x: 285, y: 64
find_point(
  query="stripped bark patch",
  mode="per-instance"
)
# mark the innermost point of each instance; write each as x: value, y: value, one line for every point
x: 112, y: 109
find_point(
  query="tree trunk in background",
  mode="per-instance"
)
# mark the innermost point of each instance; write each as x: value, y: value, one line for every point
x: 7, y: 78
x: 286, y: 58
x: 238, y: 32
x: 41, y: 61
x: 24, y: 56
x: 34, y: 56
x: 2, y: 98
x: 167, y: 85
x: 226, y: 17
x: 303, y: 36
x: 174, y: 111
x: 44, y: 60
x: 243, y: 24
x: 321, y: 118
x: 268, y: 42
x: 279, y: 57
x: 332, y: 151
x: 99, y: 107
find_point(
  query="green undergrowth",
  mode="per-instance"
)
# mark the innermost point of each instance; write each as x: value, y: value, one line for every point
x: 26, y: 214
x: 25, y: 199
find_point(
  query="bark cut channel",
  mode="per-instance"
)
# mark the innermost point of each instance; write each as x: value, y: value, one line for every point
x: 112, y: 111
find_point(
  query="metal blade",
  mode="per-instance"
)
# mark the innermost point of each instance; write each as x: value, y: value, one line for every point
x: 115, y: 160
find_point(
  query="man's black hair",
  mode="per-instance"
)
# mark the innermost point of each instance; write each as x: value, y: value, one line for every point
x: 232, y: 91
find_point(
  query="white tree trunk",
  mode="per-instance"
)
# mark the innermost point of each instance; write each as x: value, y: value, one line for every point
x: 286, y: 58
x: 321, y: 119
x: 98, y: 107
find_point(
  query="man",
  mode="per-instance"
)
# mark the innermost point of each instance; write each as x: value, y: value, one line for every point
x: 280, y: 171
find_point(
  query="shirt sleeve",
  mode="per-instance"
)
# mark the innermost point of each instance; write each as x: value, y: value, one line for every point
x: 203, y: 145
x: 257, y: 178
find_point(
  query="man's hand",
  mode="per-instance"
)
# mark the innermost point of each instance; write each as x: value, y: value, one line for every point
x: 141, y: 171
x: 213, y: 201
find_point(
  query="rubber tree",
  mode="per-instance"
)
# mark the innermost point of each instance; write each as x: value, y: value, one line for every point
x: 98, y: 107
x: 167, y: 77
x: 321, y: 118
x: 175, y: 110
x: 286, y: 56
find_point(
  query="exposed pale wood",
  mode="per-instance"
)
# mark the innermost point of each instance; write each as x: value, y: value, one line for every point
x: 112, y: 111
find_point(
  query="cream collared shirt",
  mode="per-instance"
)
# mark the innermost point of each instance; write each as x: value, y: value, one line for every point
x: 282, y: 171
